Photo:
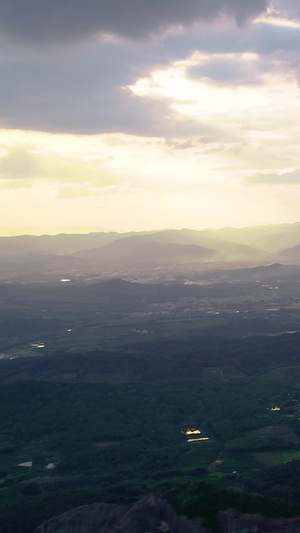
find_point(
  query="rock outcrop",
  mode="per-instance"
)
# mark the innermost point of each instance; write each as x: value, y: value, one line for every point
x: 235, y: 522
x: 151, y: 514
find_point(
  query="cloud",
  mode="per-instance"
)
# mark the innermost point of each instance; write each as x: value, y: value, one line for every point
x: 204, y: 99
x: 81, y: 89
x: 288, y: 8
x: 34, y: 21
x: 230, y: 69
x: 288, y: 178
x: 22, y: 164
x: 19, y: 163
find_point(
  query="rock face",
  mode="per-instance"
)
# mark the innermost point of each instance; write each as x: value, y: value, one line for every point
x: 151, y: 514
x: 234, y: 522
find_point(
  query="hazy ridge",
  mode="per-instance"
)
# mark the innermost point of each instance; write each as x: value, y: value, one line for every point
x: 130, y: 255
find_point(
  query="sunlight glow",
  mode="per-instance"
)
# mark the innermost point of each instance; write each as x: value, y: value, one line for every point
x: 275, y: 18
x: 204, y: 98
x: 237, y: 116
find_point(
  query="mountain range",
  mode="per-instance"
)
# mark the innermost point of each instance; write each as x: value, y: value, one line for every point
x: 159, y: 253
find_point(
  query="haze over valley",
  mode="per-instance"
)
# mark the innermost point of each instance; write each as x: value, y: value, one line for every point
x: 150, y: 256
x: 150, y: 362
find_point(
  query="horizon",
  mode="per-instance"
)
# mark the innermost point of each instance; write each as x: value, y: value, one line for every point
x: 14, y: 232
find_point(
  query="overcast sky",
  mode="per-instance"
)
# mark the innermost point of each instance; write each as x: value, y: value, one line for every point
x: 138, y: 115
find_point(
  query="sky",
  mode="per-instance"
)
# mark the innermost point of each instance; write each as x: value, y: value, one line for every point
x: 137, y: 115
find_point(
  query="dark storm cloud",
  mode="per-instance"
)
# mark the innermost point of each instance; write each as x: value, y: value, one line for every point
x: 41, y: 21
x: 81, y: 88
x: 80, y: 91
x: 84, y: 91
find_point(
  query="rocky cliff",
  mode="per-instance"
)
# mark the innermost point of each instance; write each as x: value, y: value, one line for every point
x: 151, y: 514
x: 235, y: 522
